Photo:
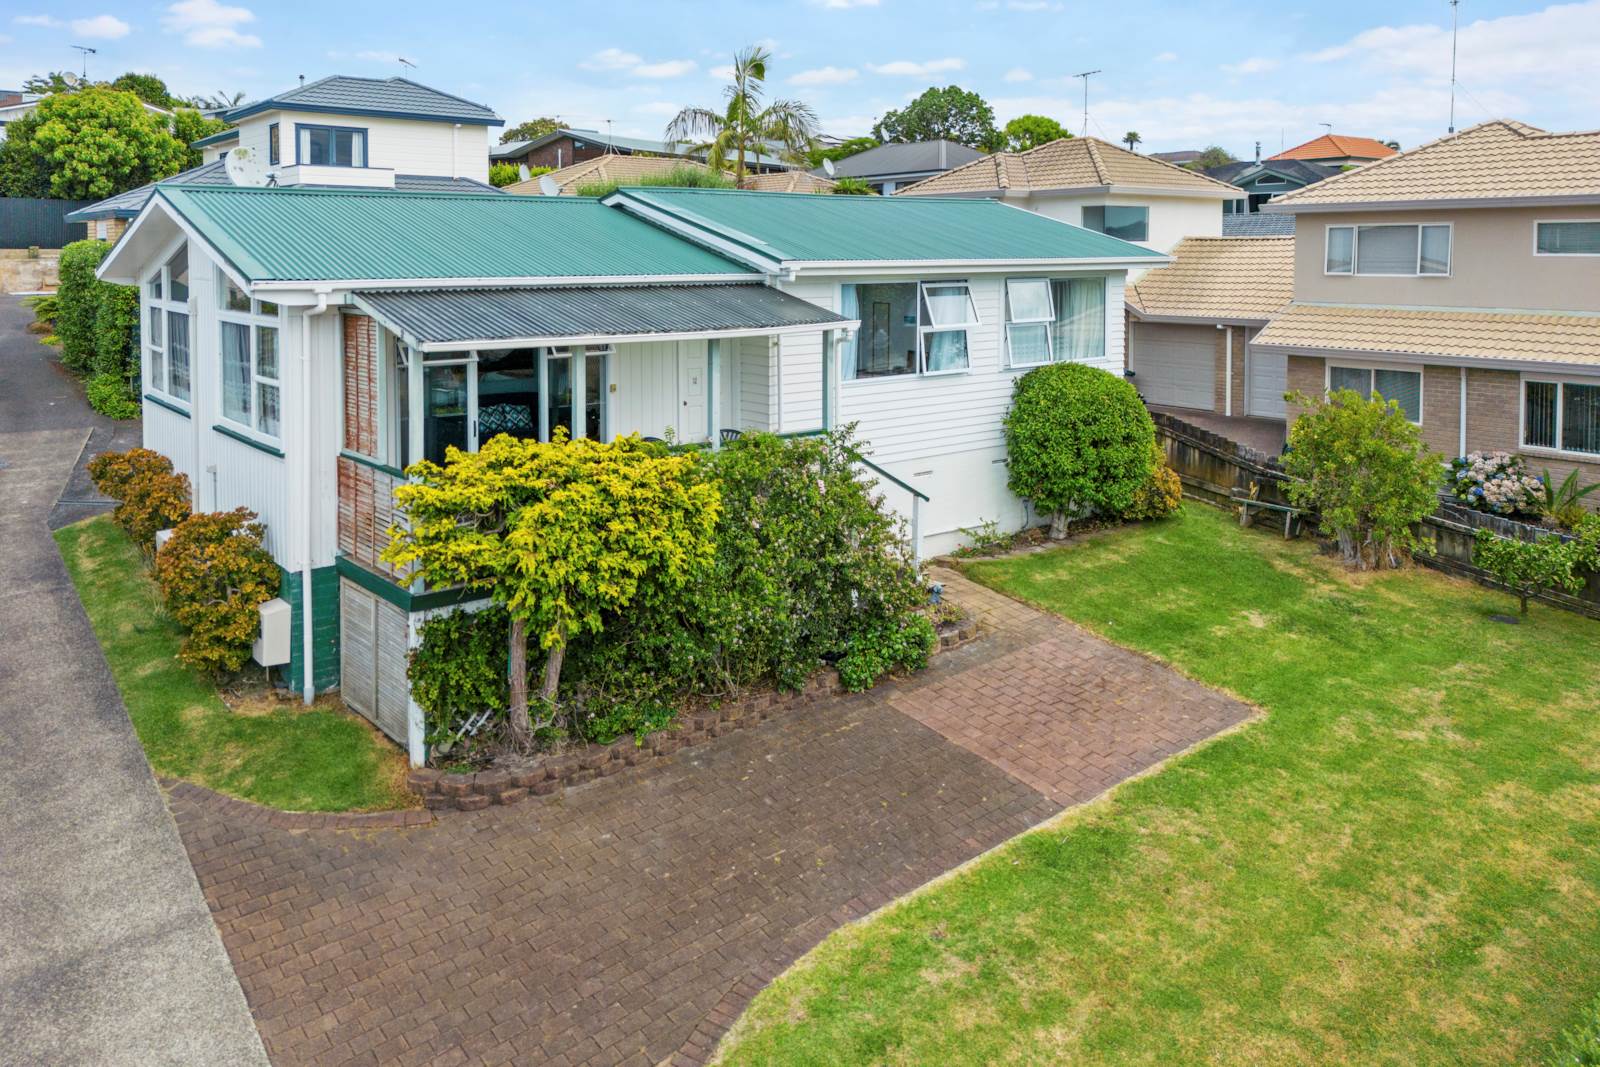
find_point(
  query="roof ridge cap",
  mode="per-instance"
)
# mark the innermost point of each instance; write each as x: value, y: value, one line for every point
x: 1095, y: 161
x: 1367, y: 168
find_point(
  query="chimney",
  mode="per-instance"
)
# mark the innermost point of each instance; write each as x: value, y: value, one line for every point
x: 302, y: 80
x: 1258, y: 151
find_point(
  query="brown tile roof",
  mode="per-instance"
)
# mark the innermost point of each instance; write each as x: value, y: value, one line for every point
x: 1495, y: 160
x: 787, y: 181
x: 1070, y: 163
x: 604, y: 169
x: 1219, y: 278
x: 1532, y: 336
x: 1338, y: 146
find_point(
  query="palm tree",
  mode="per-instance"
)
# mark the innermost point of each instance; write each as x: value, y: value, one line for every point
x: 744, y: 126
x: 1131, y: 138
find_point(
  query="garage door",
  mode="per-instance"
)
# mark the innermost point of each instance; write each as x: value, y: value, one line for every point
x: 1174, y: 364
x: 1269, y: 380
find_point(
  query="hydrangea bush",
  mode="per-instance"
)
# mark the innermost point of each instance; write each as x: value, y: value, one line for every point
x: 1496, y: 482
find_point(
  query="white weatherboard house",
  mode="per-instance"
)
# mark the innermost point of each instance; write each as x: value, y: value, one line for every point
x: 302, y: 346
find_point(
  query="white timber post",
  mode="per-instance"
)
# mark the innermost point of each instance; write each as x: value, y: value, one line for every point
x: 829, y: 372
x: 577, y: 375
x: 714, y: 393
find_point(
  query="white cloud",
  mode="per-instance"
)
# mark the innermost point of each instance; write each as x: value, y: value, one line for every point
x: 1018, y: 74
x: 1167, y: 57
x: 208, y: 24
x: 908, y: 68
x: 36, y: 20
x: 101, y: 27
x: 615, y: 59
x: 1253, y: 65
x: 611, y: 59
x: 723, y: 73
x: 825, y: 76
x: 668, y: 68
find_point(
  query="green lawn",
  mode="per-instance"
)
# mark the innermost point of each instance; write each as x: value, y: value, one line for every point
x: 318, y: 759
x: 1399, y: 865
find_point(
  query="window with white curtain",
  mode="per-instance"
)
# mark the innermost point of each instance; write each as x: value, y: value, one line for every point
x: 1577, y: 238
x: 1029, y: 315
x: 1395, y: 249
x: 1562, y: 416
x: 166, y: 328
x: 1079, y: 331
x: 1404, y: 387
x: 248, y: 353
x: 331, y: 146
x: 947, y: 314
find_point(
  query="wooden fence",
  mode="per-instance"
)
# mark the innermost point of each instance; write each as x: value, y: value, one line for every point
x: 27, y: 222
x: 1214, y: 469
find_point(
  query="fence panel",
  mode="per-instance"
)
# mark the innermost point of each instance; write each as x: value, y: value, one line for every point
x: 26, y: 221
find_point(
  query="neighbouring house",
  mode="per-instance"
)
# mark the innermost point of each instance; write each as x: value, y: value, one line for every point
x: 788, y: 181
x: 1257, y: 224
x: 1097, y: 185
x: 1190, y: 324
x: 1460, y: 279
x: 1263, y: 180
x: 888, y: 168
x: 302, y: 346
x: 1337, y: 150
x: 606, y: 169
x: 392, y: 134
x: 564, y: 147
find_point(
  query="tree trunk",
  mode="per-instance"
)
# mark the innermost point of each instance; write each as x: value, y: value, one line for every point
x: 1522, y: 595
x: 521, y: 731
x: 1059, y: 522
x: 552, y: 672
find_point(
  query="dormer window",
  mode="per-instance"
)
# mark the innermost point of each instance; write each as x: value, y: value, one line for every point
x: 332, y: 146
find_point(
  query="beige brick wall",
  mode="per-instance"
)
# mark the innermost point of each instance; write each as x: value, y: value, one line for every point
x: 1308, y: 375
x: 115, y: 228
x: 1441, y: 409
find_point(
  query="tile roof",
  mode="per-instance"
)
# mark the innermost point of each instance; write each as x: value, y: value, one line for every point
x: 1338, y: 146
x: 1219, y: 278
x: 342, y: 94
x: 1495, y: 160
x: 606, y: 169
x: 1256, y: 224
x: 788, y: 181
x: 1070, y: 163
x: 454, y: 316
x: 801, y: 227
x: 344, y: 235
x: 1531, y: 336
x: 513, y: 149
x: 910, y: 157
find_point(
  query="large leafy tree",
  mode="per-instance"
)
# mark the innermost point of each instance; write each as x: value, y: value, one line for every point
x: 1031, y: 131
x: 1212, y: 156
x: 744, y: 126
x: 188, y: 126
x: 147, y: 87
x: 87, y: 145
x: 560, y: 534
x: 950, y: 114
x: 527, y: 131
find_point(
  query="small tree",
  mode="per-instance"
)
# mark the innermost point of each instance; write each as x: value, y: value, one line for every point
x: 1211, y: 156
x: 528, y: 131
x: 559, y: 533
x: 1361, y: 464
x: 1529, y: 568
x: 1031, y: 131
x: 90, y: 144
x: 951, y: 114
x: 1077, y: 439
x: 1132, y: 139
x: 78, y: 302
x: 214, y: 575
x: 504, y: 174
x: 851, y: 187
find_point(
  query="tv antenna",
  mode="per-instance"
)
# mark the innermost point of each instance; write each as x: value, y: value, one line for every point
x: 87, y: 52
x: 1085, y: 76
x: 404, y: 62
x: 1455, y: 24
x: 611, y: 148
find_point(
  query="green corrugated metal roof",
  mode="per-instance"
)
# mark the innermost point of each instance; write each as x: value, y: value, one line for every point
x: 800, y: 227
x: 333, y: 235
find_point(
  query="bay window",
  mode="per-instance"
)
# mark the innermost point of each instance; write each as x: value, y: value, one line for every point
x: 248, y: 335
x: 1561, y: 416
x: 1404, y: 387
x: 166, y: 328
x: 1392, y: 249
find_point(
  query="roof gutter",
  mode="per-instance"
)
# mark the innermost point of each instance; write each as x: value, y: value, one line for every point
x: 537, y: 282
x: 1290, y: 207
x: 1434, y: 359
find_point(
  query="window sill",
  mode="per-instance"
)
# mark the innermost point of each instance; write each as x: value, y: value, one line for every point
x: 246, y: 439
x: 367, y: 461
x: 170, y: 405
x: 1562, y: 453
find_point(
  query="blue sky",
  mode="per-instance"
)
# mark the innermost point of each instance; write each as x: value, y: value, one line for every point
x: 1182, y: 74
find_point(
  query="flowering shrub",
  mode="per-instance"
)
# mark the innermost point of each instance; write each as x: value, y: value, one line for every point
x: 214, y: 574
x: 1496, y: 482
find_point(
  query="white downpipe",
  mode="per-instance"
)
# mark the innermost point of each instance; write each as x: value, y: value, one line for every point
x: 1461, y: 445
x: 1227, y: 375
x: 308, y: 684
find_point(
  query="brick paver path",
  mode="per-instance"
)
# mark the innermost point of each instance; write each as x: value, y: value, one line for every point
x: 631, y: 921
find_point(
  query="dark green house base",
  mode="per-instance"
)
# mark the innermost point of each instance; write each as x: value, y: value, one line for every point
x: 324, y: 629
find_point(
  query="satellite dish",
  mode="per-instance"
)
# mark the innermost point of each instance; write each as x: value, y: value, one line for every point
x: 827, y: 167
x: 244, y: 168
x: 69, y: 78
x: 523, y: 172
x: 548, y: 186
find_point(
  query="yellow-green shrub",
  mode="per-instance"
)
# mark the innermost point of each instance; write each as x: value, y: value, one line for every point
x: 1160, y: 495
x: 150, y: 497
x: 214, y: 574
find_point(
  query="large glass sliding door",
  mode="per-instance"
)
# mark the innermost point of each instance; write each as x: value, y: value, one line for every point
x: 529, y: 393
x: 508, y: 393
x: 444, y: 411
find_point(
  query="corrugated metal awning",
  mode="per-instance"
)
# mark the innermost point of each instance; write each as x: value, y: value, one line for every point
x: 440, y: 319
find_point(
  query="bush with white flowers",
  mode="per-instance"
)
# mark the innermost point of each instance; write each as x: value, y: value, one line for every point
x: 1496, y: 482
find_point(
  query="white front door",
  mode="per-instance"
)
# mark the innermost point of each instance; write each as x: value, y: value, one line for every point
x: 1269, y: 380
x: 691, y: 425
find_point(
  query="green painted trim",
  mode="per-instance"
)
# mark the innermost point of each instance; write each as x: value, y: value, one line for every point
x: 169, y: 405
x: 399, y: 595
x: 246, y: 440
x: 356, y: 457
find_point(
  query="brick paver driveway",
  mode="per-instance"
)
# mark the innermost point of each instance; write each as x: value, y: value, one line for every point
x: 630, y: 921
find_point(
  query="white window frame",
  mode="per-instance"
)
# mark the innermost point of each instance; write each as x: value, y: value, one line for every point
x: 924, y: 332
x: 1522, y: 417
x: 166, y: 305
x: 1048, y: 322
x: 253, y: 321
x: 1355, y: 249
x: 1561, y: 255
x: 1355, y: 364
